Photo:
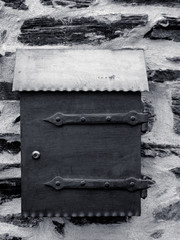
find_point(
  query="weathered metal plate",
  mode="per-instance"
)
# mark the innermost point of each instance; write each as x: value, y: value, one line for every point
x: 80, y: 70
x: 102, y: 151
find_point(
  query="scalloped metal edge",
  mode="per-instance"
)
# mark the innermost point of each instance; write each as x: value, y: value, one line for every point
x: 81, y: 214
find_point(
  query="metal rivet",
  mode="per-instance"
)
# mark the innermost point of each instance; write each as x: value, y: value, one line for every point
x: 33, y: 214
x: 57, y: 183
x: 108, y: 118
x: 132, y: 184
x: 83, y: 119
x: 98, y: 214
x: 114, y: 214
x: 49, y: 214
x: 74, y: 215
x: 83, y: 183
x: 133, y: 118
x: 58, y: 119
x: 107, y: 184
x: 90, y: 214
x: 36, y: 154
x: 106, y: 214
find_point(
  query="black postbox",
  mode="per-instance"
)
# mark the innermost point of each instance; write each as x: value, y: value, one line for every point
x: 81, y: 124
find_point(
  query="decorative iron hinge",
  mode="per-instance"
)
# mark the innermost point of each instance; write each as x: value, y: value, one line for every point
x: 132, y: 118
x: 130, y: 184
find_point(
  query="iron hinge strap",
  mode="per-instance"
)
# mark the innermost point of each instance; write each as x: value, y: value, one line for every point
x: 132, y: 118
x: 130, y: 184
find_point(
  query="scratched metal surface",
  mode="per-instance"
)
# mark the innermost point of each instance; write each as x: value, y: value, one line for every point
x: 100, y: 151
x: 80, y: 70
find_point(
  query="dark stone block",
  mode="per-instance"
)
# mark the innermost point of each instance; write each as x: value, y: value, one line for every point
x: 8, y: 237
x: 163, y: 75
x: 16, y: 4
x: 157, y: 234
x: 150, y: 2
x: 174, y: 59
x: 97, y: 220
x: 18, y: 220
x: 59, y: 227
x: 8, y: 166
x: 170, y: 212
x: 148, y: 108
x: 69, y: 3
x: 6, y: 92
x: 10, y: 188
x: 45, y: 30
x: 176, y: 109
x: 176, y: 171
x: 10, y: 144
x: 167, y: 29
x: 161, y: 150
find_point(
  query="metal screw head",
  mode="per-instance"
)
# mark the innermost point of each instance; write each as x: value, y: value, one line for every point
x: 133, y: 118
x: 36, y: 154
x: 132, y: 184
x: 83, y: 183
x: 108, y: 118
x: 57, y: 183
x: 106, y: 184
x: 58, y: 119
x: 83, y: 119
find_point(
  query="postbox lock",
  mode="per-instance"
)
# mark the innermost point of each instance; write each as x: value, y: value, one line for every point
x: 36, y: 155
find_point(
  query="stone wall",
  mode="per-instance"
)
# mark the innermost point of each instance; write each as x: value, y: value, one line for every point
x: 97, y: 24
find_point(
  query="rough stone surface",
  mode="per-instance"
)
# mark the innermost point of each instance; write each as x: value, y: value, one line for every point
x: 150, y: 2
x: 7, y: 237
x: 168, y: 29
x: 68, y: 3
x: 45, y: 30
x: 6, y: 92
x: 162, y: 75
x: 176, y: 109
x: 10, y: 144
x: 16, y: 4
x: 9, y: 112
x: 148, y: 108
x: 98, y: 24
x: 157, y: 234
x: 170, y: 212
x: 176, y: 171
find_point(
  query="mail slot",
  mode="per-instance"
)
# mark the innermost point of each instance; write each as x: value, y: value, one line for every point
x: 81, y: 124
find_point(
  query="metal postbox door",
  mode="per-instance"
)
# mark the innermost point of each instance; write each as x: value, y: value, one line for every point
x: 79, y: 163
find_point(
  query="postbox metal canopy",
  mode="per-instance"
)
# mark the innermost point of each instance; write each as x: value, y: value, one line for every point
x: 80, y: 70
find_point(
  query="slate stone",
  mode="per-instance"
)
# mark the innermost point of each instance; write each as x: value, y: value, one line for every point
x: 69, y: 3
x: 164, y: 75
x: 176, y: 171
x: 11, y: 145
x: 176, y: 110
x: 83, y: 30
x: 20, y: 221
x: 170, y: 212
x: 149, y: 109
x: 16, y: 4
x: 6, y: 92
x: 8, y: 237
x: 167, y: 29
x: 157, y: 234
x: 59, y: 227
x: 168, y: 3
